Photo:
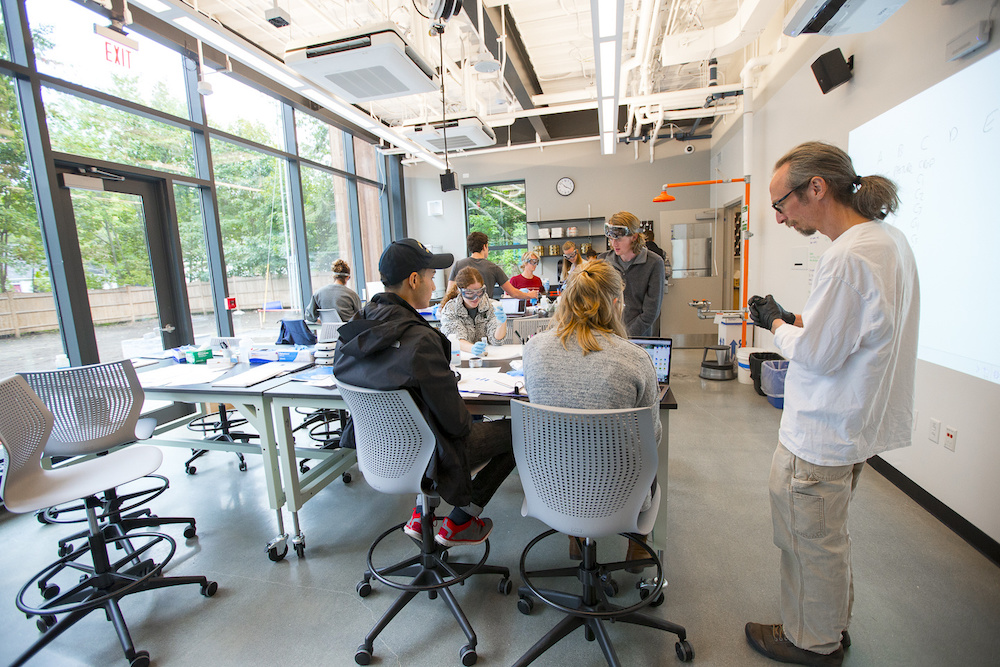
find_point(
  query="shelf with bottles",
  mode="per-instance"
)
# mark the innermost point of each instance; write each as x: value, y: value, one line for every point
x: 562, y: 230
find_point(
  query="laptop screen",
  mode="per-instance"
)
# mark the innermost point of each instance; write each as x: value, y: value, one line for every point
x: 659, y: 350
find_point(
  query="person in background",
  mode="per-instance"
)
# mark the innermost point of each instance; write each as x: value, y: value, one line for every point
x: 589, y: 254
x: 335, y: 295
x: 390, y: 346
x: 472, y: 316
x: 585, y: 361
x: 570, y: 260
x: 849, y: 389
x: 478, y: 245
x: 527, y: 280
x: 650, y: 237
x: 642, y: 271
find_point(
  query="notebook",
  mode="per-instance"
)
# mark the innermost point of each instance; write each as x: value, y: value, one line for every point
x: 513, y: 307
x: 659, y: 350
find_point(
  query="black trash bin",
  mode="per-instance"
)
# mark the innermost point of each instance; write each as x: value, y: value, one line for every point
x: 756, y: 359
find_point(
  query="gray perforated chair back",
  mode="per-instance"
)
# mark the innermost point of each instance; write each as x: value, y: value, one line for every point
x: 25, y: 424
x: 586, y: 472
x: 95, y: 407
x: 394, y: 441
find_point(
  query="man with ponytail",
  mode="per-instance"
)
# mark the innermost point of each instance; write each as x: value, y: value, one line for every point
x: 849, y: 389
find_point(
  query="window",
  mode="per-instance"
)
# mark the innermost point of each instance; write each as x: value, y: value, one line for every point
x: 190, y: 223
x: 240, y: 110
x: 328, y: 227
x: 319, y: 141
x: 498, y: 210
x: 29, y: 328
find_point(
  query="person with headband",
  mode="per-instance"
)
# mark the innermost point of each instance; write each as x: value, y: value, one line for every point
x: 642, y: 271
x: 585, y: 360
x: 336, y: 295
x: 471, y: 317
x: 570, y: 260
x: 527, y: 280
x: 849, y: 389
x: 390, y: 346
x: 478, y: 246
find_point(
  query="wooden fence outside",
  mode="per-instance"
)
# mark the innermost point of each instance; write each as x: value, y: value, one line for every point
x: 31, y: 312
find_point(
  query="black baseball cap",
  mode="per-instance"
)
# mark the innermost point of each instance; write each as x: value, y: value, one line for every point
x: 405, y: 256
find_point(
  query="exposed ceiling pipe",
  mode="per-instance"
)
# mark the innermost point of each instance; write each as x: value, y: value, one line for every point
x: 750, y: 19
x: 656, y: 131
x: 501, y: 149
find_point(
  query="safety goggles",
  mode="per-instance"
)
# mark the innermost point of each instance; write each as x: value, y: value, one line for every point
x: 473, y: 294
x: 616, y: 231
x: 531, y: 261
x: 569, y: 255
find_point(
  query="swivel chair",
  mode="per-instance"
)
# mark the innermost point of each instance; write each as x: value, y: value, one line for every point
x: 25, y: 426
x: 95, y: 409
x: 395, y: 445
x: 587, y: 473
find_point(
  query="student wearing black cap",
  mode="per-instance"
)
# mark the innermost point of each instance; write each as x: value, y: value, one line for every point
x: 390, y: 346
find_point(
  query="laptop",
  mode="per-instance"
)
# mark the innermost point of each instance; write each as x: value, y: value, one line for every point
x: 659, y: 350
x: 513, y: 307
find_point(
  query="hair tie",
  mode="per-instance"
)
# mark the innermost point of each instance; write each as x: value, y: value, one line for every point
x: 856, y: 182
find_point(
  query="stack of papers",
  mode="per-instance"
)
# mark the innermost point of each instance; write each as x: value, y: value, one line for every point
x: 179, y: 374
x: 477, y: 381
x: 261, y: 373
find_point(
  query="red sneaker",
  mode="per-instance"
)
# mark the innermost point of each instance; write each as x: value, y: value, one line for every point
x: 412, y: 527
x: 473, y: 531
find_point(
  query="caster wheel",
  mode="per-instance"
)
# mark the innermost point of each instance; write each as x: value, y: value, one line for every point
x: 190, y: 531
x: 364, y: 589
x: 141, y: 659
x: 40, y: 516
x: 684, y: 651
x: 64, y: 550
x: 363, y: 655
x: 657, y: 601
x: 276, y: 555
x: 50, y: 591
x: 243, y: 466
x: 300, y: 549
x: 45, y: 622
x: 611, y: 588
x: 525, y: 605
x: 303, y: 468
x: 190, y: 470
x: 505, y: 586
x: 346, y: 477
x: 210, y: 589
x: 468, y: 655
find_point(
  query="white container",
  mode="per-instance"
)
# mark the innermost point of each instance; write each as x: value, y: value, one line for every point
x: 743, y: 364
x: 543, y: 232
x: 730, y: 330
x: 571, y: 231
x: 557, y: 232
x: 456, y: 350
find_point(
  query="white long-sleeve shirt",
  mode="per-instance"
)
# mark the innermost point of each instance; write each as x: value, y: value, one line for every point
x: 849, y: 388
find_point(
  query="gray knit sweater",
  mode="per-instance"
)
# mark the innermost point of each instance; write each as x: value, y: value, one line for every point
x: 644, y: 278
x: 620, y: 375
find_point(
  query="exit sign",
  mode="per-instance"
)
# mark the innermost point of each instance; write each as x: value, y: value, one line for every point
x: 118, y: 49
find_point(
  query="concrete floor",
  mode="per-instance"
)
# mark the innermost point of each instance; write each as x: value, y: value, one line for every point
x: 923, y: 596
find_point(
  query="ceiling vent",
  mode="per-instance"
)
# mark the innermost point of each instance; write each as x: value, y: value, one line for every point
x: 374, y: 64
x: 463, y: 133
x: 838, y: 17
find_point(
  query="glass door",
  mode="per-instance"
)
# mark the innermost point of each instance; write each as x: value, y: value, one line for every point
x: 135, y: 304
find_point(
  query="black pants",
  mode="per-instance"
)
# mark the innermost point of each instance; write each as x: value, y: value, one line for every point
x: 489, y: 443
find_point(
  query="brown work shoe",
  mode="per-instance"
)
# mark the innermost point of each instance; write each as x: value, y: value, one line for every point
x: 770, y: 641
x: 636, y: 552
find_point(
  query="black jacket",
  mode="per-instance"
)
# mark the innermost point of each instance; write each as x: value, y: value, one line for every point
x: 388, y: 345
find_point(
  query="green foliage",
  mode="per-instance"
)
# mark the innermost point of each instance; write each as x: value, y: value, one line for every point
x: 498, y: 210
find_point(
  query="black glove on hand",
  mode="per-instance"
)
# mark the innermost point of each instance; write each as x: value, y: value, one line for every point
x: 765, y: 310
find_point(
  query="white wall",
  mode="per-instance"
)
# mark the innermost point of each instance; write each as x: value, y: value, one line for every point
x: 898, y: 60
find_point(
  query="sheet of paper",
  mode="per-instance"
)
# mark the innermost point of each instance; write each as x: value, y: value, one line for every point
x: 179, y: 374
x: 497, y: 383
x: 139, y: 363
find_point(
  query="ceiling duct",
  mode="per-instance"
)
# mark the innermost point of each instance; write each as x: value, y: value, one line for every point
x: 463, y: 133
x: 374, y: 64
x: 838, y: 17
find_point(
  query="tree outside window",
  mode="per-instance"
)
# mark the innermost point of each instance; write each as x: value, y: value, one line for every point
x: 498, y: 210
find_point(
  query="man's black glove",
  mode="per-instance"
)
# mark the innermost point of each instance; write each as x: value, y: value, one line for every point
x: 765, y: 310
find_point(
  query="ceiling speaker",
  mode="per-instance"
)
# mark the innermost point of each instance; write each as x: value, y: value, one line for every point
x: 831, y: 70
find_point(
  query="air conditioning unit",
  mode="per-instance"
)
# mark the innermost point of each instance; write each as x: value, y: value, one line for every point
x: 463, y: 133
x: 374, y: 64
x: 838, y: 17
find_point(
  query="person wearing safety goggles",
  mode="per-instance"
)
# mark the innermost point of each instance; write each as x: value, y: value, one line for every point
x: 571, y: 259
x: 467, y: 312
x: 478, y: 246
x: 527, y: 280
x: 642, y: 271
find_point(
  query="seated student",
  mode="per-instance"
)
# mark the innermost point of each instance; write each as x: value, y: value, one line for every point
x: 478, y: 245
x: 336, y: 295
x: 527, y: 280
x: 390, y: 346
x: 471, y: 317
x: 585, y: 360
x: 571, y: 259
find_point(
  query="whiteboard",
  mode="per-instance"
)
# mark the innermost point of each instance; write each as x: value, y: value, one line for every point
x: 942, y: 148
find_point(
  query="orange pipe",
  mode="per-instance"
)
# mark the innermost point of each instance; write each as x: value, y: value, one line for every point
x: 746, y: 260
x: 721, y: 180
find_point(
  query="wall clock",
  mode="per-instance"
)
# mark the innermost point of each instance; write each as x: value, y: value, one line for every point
x: 565, y: 186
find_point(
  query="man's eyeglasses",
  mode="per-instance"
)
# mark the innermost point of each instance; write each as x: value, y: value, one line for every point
x: 776, y: 205
x: 473, y: 294
x: 615, y: 231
